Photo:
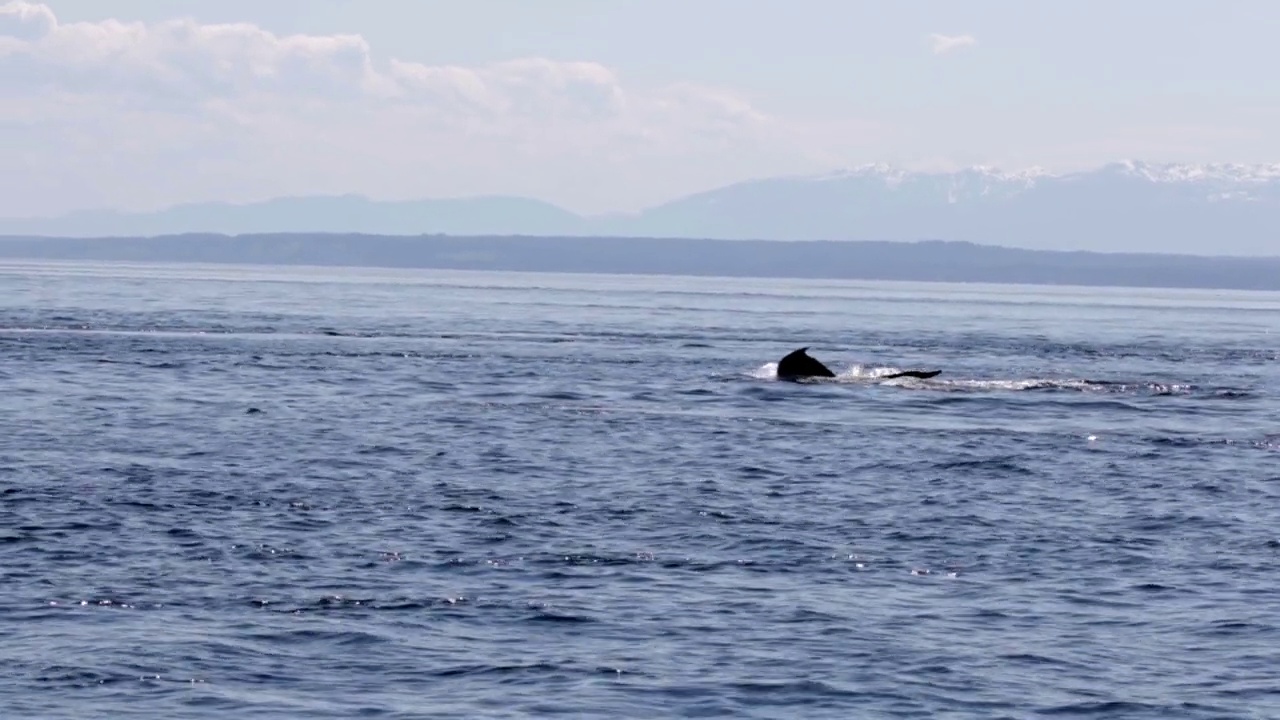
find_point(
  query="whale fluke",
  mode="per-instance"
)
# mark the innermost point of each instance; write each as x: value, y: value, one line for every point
x: 798, y: 365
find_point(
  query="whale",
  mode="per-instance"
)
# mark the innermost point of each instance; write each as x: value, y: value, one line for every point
x: 798, y: 365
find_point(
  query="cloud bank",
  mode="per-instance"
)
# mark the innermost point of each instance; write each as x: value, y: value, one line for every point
x: 117, y: 113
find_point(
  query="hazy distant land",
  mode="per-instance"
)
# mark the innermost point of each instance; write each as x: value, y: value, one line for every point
x: 1125, y: 224
x: 1122, y: 207
x: 936, y: 261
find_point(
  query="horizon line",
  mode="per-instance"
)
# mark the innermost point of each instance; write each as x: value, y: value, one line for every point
x: 299, y: 234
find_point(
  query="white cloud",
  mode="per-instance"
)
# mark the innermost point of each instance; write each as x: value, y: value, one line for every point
x: 25, y: 21
x: 116, y: 113
x: 943, y: 44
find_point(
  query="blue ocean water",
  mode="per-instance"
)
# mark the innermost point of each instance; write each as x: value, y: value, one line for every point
x: 339, y: 493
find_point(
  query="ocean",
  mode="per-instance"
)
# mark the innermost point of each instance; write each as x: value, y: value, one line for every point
x: 264, y: 492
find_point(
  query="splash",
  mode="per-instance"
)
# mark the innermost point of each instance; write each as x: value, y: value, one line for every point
x: 855, y: 374
x: 767, y: 371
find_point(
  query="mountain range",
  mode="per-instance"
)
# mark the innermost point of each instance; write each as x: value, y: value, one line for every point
x: 1219, y: 209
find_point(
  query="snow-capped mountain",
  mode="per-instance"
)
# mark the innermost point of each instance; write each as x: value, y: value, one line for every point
x: 1135, y: 206
x: 986, y: 181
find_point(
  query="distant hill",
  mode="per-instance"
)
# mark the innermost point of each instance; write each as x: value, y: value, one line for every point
x: 920, y: 261
x: 1122, y: 207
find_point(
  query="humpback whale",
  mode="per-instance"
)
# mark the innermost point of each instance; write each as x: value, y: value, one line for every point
x: 798, y: 364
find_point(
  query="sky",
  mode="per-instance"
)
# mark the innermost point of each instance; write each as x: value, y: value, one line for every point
x: 606, y: 105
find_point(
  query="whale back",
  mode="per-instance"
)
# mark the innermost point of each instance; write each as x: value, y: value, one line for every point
x: 798, y: 364
x: 922, y: 374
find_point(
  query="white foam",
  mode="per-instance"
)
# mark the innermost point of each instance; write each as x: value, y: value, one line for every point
x: 767, y: 371
x: 1022, y: 384
x: 862, y: 374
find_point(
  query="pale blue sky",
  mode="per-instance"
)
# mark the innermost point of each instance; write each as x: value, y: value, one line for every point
x: 681, y: 95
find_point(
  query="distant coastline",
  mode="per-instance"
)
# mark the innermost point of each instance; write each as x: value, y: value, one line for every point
x: 921, y: 261
x: 1200, y: 210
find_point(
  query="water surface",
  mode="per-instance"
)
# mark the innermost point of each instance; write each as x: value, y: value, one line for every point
x: 326, y: 493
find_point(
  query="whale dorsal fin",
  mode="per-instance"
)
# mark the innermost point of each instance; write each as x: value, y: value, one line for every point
x: 798, y: 364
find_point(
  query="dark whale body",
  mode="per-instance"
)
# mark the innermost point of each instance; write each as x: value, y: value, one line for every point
x: 798, y: 365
